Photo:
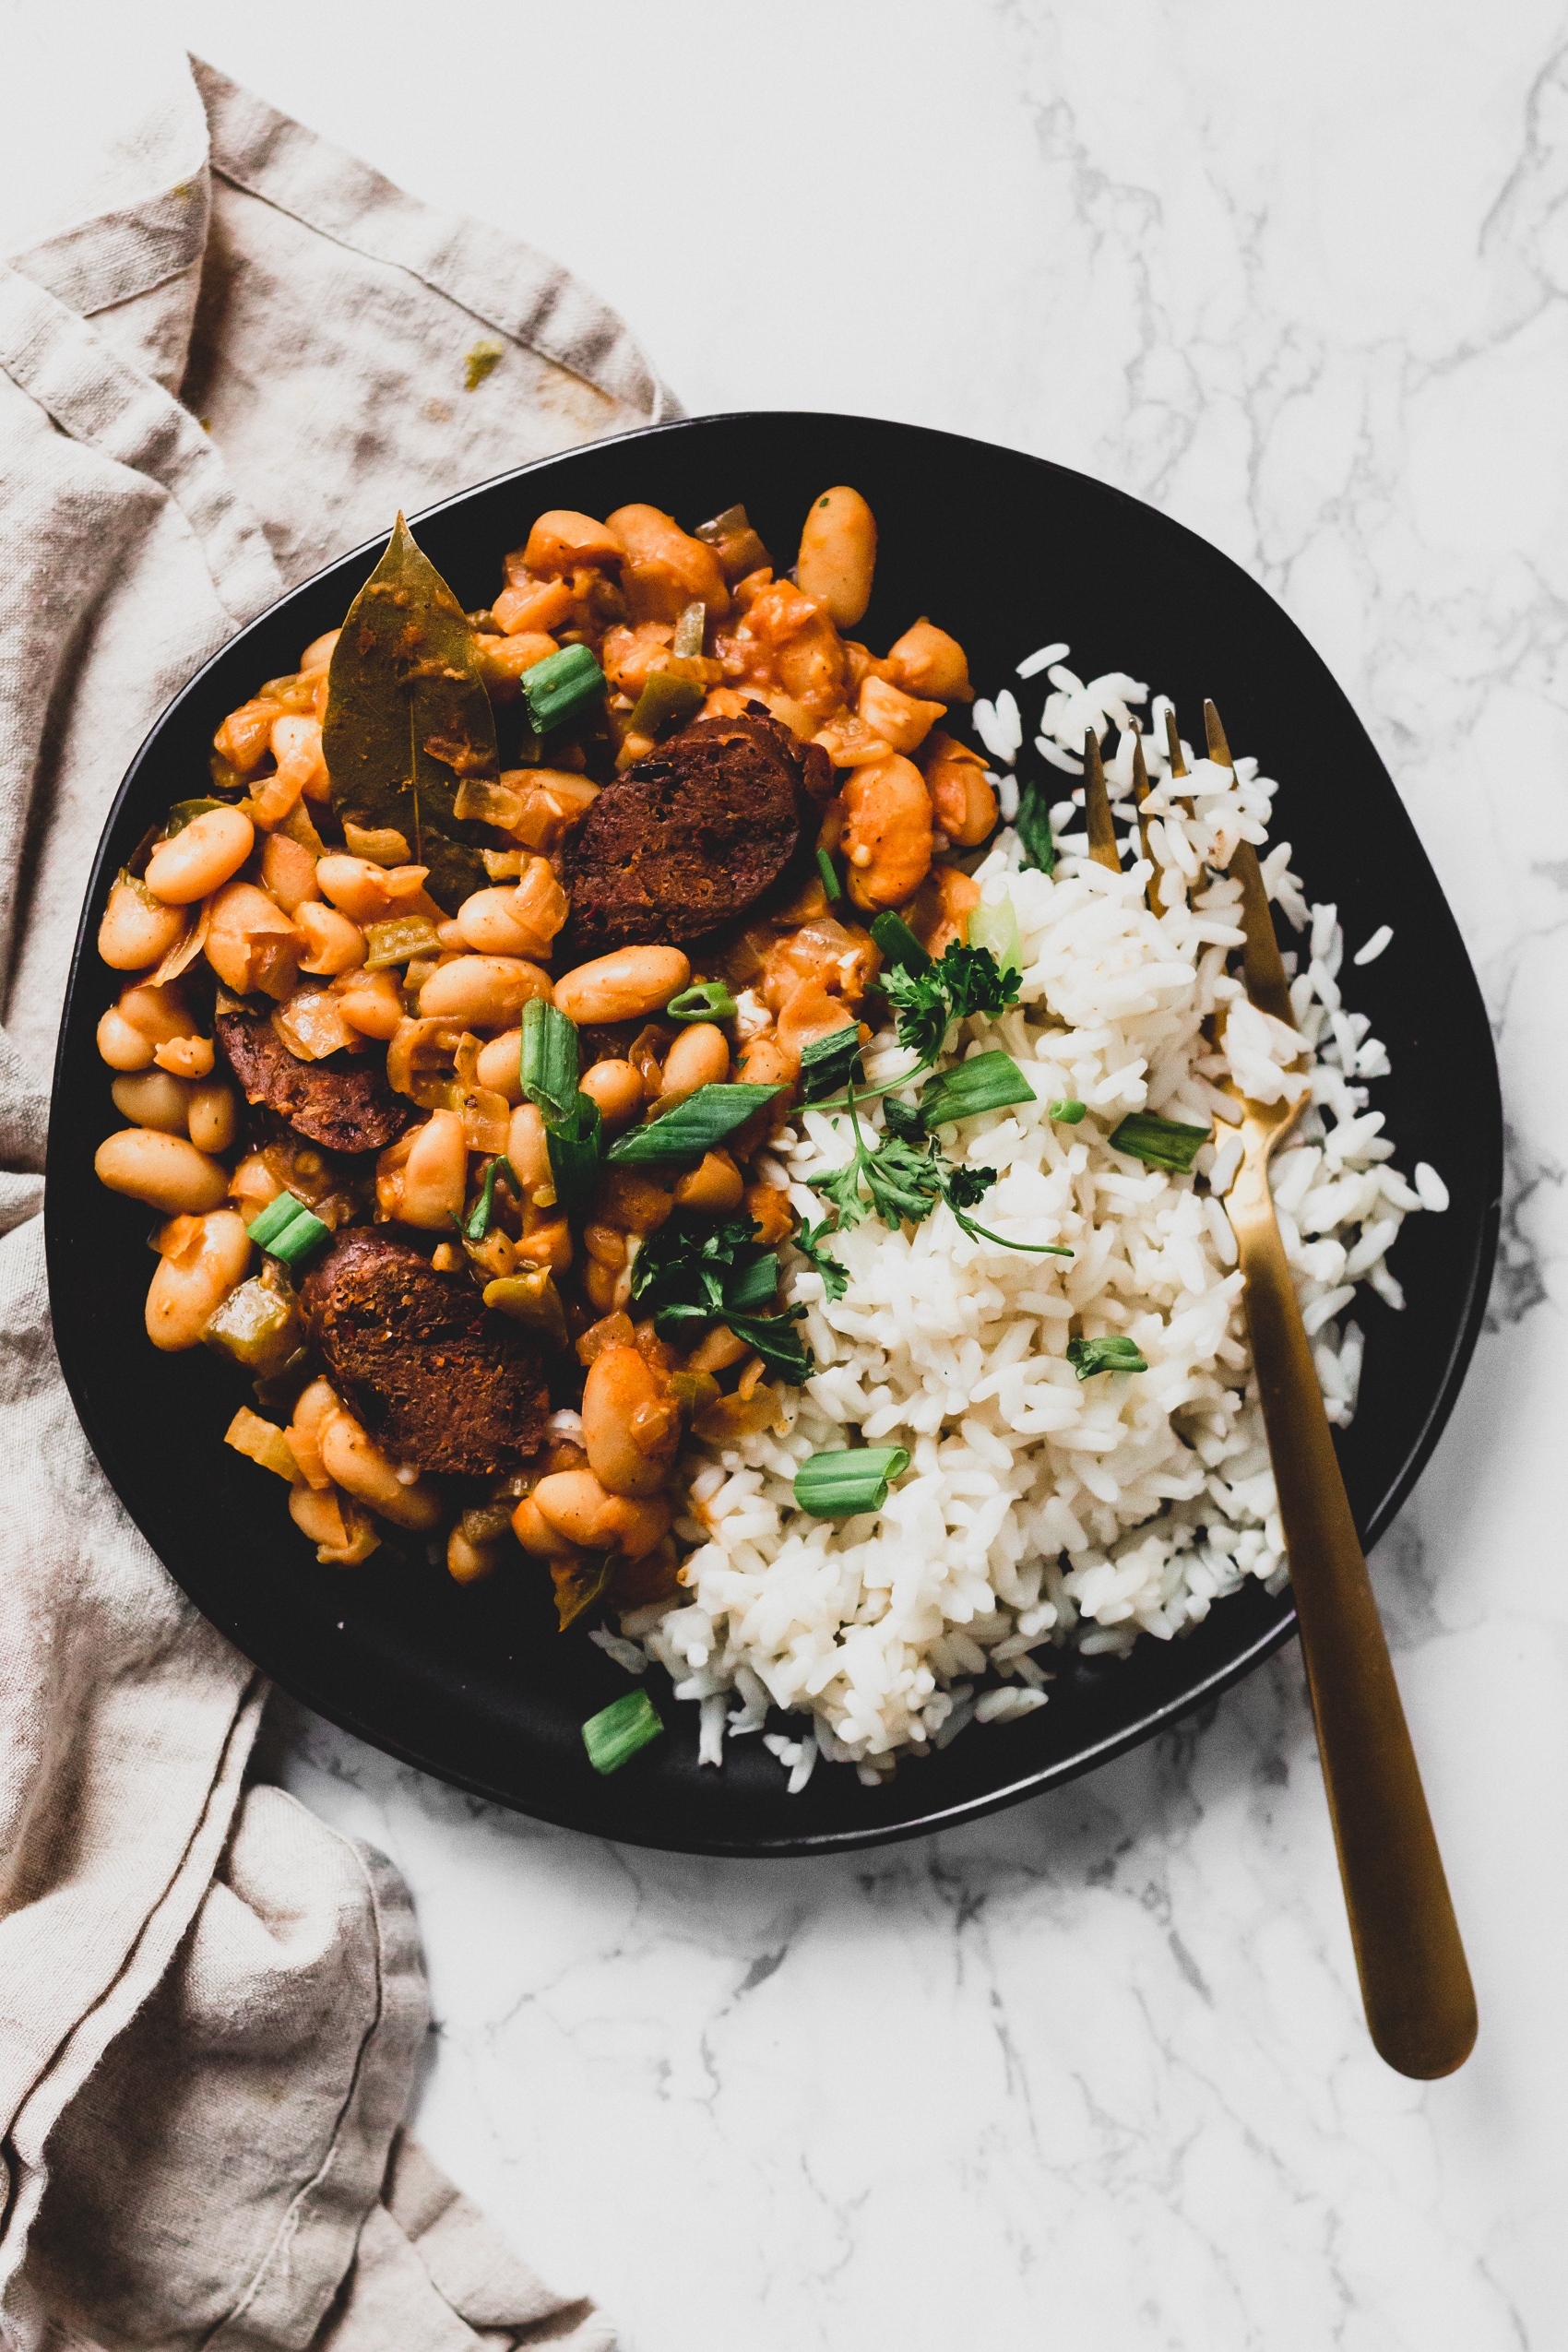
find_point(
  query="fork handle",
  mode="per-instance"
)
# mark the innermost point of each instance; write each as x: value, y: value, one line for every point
x: 1415, y: 1983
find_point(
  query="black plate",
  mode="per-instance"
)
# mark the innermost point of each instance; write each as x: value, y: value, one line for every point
x: 1007, y: 551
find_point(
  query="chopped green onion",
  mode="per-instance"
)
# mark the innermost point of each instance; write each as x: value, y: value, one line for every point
x: 273, y: 1218
x: 753, y: 1287
x: 287, y: 1230
x: 548, y: 1058
x: 479, y: 1223
x: 851, y: 1480
x: 708, y: 1000
x: 1116, y: 1352
x: 1161, y: 1143
x: 1032, y: 825
x: 686, y: 644
x: 573, y: 1144
x: 666, y: 701
x: 903, y: 1120
x: 899, y: 943
x: 987, y: 1083
x: 565, y: 686
x: 1066, y: 1109
x: 996, y: 928
x: 829, y: 1061
x: 613, y: 1736
x: 694, y: 1126
x: 830, y: 881
x: 302, y: 1235
x: 185, y: 813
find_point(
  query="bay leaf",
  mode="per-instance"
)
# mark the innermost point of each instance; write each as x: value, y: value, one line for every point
x: 408, y: 720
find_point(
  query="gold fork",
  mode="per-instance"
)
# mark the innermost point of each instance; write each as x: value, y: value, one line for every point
x: 1415, y: 1983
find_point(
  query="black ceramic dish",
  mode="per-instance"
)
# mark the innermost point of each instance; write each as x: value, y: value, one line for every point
x: 476, y: 1685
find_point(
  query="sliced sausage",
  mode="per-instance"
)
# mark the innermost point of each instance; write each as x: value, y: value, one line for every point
x: 689, y: 840
x: 438, y: 1380
x: 343, y: 1102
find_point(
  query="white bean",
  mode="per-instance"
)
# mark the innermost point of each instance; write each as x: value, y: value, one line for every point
x: 624, y: 986
x: 435, y: 1173
x: 154, y: 1098
x: 166, y: 1171
x: 483, y: 992
x: 191, y: 1285
x: 121, y: 1045
x: 499, y: 1067
x: 350, y: 1457
x: 838, y: 559
x: 699, y: 1057
x: 213, y: 1115
x: 333, y: 942
x: 135, y: 933
x: 201, y: 856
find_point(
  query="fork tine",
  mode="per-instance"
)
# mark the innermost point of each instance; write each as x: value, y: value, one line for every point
x: 1140, y: 790
x: 1098, y: 819
x: 1262, y: 970
x: 1173, y: 748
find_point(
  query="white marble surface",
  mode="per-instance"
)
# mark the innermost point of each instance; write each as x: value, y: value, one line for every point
x: 1092, y: 2074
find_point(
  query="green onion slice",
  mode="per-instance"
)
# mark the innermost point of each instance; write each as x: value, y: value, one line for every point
x: 848, y: 1480
x: 903, y: 1120
x: 987, y: 1083
x: 288, y: 1230
x: 1066, y: 1110
x: 548, y: 1058
x: 1116, y: 1352
x: 752, y: 1288
x: 563, y: 687
x: 996, y: 928
x: 708, y: 1000
x: 899, y: 943
x: 831, y: 1061
x: 573, y: 1146
x: 694, y: 1126
x: 830, y: 881
x: 1161, y: 1143
x: 613, y: 1736
x: 479, y: 1223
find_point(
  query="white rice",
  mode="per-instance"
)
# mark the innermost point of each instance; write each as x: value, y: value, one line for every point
x: 1040, y: 1510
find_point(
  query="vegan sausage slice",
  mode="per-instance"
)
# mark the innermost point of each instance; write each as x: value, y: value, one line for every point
x: 437, y: 1378
x: 689, y: 840
x: 343, y: 1102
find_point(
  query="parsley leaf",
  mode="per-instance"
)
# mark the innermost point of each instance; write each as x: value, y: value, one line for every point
x: 692, y: 1274
x: 776, y: 1343
x: 966, y: 981
x: 902, y: 1182
x: 811, y: 1243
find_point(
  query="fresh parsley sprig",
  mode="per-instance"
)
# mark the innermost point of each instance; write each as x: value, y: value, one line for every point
x: 966, y: 981
x: 692, y: 1274
x: 900, y: 1181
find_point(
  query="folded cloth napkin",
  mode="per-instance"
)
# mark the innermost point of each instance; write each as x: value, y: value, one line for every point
x: 227, y: 353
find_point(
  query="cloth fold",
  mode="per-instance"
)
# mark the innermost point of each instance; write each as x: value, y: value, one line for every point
x: 227, y: 351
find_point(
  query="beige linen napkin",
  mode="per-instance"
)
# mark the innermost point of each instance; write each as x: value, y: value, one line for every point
x: 211, y: 2003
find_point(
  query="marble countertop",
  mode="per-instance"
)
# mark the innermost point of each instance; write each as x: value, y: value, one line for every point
x: 1092, y: 2073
